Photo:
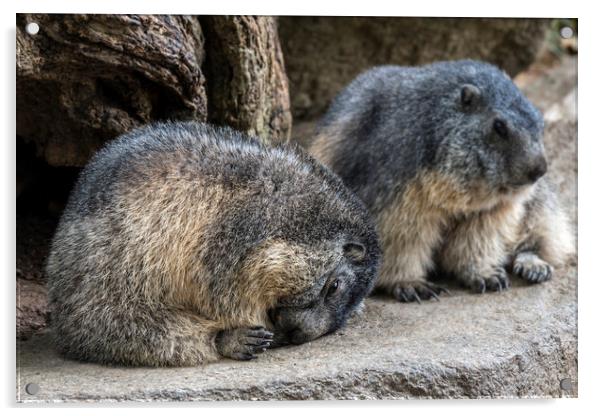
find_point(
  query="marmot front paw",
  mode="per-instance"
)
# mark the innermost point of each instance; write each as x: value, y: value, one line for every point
x: 498, y: 281
x: 417, y: 290
x: 243, y: 343
x: 531, y: 268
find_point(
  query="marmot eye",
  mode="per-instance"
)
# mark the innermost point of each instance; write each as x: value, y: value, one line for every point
x: 500, y: 128
x: 334, y: 286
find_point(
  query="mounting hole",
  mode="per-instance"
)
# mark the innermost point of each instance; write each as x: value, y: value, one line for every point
x: 32, y: 28
x: 566, y: 32
x: 566, y: 384
x: 32, y: 388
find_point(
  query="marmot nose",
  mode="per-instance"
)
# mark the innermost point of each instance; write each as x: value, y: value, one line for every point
x: 538, y: 169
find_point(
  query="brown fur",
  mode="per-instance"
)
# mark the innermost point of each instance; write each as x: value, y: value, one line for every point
x: 179, y: 239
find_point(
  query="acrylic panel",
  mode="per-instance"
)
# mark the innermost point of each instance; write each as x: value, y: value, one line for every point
x: 295, y: 208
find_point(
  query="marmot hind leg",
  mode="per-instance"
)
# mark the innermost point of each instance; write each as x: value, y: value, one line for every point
x: 530, y: 267
x: 547, y: 240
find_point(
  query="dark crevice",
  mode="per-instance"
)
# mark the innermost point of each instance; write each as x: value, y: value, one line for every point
x: 42, y: 190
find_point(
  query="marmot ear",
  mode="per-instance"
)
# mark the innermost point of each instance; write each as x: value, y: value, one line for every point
x: 355, y: 252
x: 469, y: 95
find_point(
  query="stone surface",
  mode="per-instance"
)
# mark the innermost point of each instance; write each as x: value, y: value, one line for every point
x: 323, y: 54
x: 520, y: 343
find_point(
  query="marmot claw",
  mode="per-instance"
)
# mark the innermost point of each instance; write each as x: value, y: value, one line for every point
x: 243, y: 343
x: 531, y: 268
x: 415, y: 291
x: 498, y: 282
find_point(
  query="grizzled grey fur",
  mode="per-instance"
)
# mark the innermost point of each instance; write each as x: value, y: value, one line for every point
x: 449, y: 159
x: 182, y: 243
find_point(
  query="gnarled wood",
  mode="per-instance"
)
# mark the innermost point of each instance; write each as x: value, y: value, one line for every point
x: 84, y: 79
x: 247, y: 84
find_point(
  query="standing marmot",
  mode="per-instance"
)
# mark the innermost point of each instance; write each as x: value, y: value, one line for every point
x: 447, y: 158
x: 181, y: 243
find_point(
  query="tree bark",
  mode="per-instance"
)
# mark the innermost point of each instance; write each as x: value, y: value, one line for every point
x: 85, y: 79
x: 247, y: 83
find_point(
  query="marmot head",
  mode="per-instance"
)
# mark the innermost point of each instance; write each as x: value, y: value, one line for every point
x: 332, y: 263
x: 491, y: 134
x: 319, y: 259
x: 342, y: 282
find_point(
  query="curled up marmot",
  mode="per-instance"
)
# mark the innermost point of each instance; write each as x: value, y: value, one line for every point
x: 182, y: 243
x: 449, y: 159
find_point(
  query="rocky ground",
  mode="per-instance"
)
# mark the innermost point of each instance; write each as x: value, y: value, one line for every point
x: 520, y: 343
x: 33, y: 238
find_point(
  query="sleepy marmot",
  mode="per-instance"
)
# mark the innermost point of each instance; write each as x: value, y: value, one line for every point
x: 449, y: 159
x: 181, y: 243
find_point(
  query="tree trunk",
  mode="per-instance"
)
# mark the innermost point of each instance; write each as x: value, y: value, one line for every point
x: 85, y: 79
x: 247, y: 83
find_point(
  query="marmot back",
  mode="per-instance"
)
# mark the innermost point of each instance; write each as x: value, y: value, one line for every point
x: 181, y: 243
x: 449, y: 159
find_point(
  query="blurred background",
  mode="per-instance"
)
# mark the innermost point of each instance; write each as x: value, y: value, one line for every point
x: 85, y: 79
